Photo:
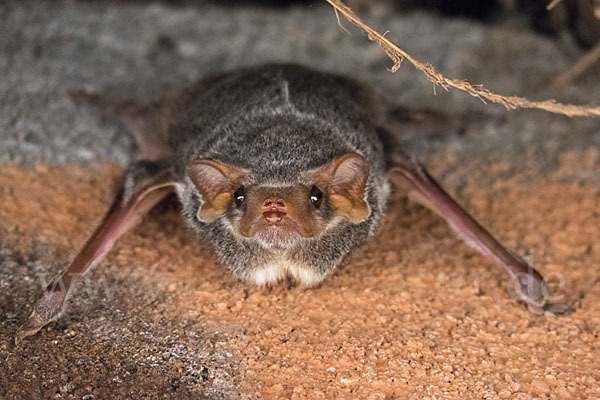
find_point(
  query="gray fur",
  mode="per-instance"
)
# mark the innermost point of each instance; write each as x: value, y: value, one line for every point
x: 277, y: 121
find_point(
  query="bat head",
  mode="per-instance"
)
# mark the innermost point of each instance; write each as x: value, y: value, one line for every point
x: 279, y: 215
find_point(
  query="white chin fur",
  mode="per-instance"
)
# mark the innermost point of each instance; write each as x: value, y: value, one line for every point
x: 276, y: 271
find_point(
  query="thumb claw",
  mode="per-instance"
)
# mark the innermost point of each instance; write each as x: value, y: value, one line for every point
x: 558, y: 308
x: 47, y: 309
x: 31, y: 327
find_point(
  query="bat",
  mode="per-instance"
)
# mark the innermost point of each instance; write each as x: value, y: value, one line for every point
x: 284, y: 170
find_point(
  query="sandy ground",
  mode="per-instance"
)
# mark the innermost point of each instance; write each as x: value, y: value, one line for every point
x: 414, y: 313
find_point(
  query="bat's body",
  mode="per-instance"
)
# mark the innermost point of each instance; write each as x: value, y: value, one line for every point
x: 277, y: 123
x: 283, y: 170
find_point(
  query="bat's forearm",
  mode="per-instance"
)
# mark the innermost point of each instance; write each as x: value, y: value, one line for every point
x: 528, y: 283
x: 127, y: 210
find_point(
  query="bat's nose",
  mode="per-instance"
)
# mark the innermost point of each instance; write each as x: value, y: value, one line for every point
x: 274, y: 203
x: 274, y: 209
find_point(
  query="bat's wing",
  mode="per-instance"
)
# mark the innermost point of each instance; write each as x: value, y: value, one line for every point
x: 146, y: 184
x: 526, y: 282
x: 146, y: 122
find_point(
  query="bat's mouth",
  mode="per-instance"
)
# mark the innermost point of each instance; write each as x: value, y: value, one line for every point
x: 274, y: 218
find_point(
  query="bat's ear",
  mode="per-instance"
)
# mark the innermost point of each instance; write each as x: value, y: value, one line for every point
x: 346, y: 179
x: 216, y: 182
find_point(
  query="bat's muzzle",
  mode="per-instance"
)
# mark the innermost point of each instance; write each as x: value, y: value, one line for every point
x: 274, y: 210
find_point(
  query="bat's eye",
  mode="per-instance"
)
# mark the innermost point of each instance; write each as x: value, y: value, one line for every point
x: 239, y: 197
x: 316, y: 196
